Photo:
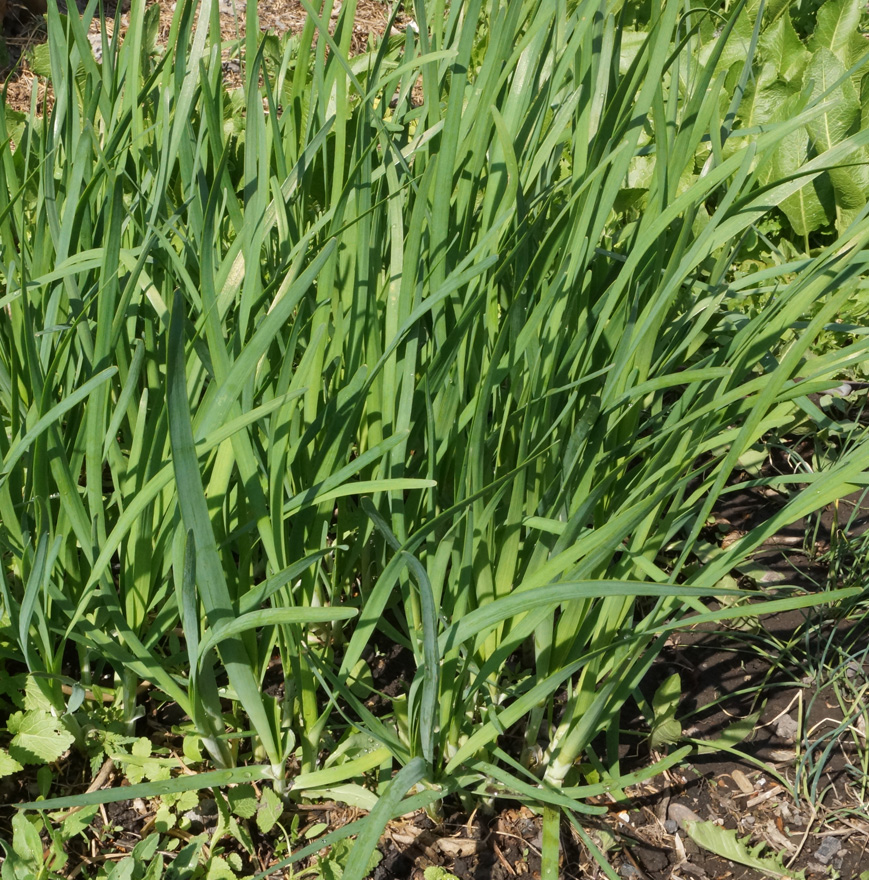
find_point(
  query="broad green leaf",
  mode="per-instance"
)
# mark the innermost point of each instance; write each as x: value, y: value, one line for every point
x: 79, y: 821
x: 38, y: 737
x: 840, y: 117
x: 8, y: 764
x: 219, y: 869
x: 764, y: 97
x: 270, y: 809
x: 242, y: 800
x: 812, y: 206
x: 25, y: 840
x: 837, y: 22
x: 735, y: 733
x: 781, y: 48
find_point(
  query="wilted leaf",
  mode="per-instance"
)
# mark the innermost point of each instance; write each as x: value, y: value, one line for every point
x: 724, y: 843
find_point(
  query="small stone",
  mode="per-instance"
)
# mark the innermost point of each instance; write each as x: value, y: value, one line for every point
x: 671, y: 826
x: 787, y: 728
x: 681, y: 814
x: 853, y: 669
x: 828, y: 849
x: 629, y: 872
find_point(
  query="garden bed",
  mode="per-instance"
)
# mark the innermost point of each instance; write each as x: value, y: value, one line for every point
x: 383, y: 446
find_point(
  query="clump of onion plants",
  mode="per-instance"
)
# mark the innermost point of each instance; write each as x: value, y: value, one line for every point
x: 434, y: 347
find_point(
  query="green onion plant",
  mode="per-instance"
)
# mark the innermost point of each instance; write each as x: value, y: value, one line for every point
x: 384, y: 349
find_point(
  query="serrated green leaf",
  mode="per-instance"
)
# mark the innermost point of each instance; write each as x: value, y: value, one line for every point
x: 34, y: 698
x: 164, y: 819
x: 136, y: 771
x: 270, y: 809
x: 763, y: 97
x: 38, y: 737
x: 839, y: 119
x: 8, y: 764
x: 812, y: 206
x: 242, y: 800
x: 727, y: 845
x: 186, y: 800
x: 40, y: 60
x: 780, y: 47
x: 219, y: 869
x: 837, y: 21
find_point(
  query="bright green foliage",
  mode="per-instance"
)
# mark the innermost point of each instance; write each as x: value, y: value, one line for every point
x: 332, y: 866
x: 434, y: 872
x: 37, y: 737
x: 829, y: 66
x: 297, y: 372
x: 269, y: 811
x: 8, y: 764
x: 26, y: 858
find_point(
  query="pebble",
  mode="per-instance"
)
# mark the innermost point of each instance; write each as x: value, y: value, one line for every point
x: 680, y: 814
x: 828, y: 850
x: 787, y: 728
x: 671, y: 826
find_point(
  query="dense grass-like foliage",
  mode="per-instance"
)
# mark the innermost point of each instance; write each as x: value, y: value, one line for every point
x: 381, y: 350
